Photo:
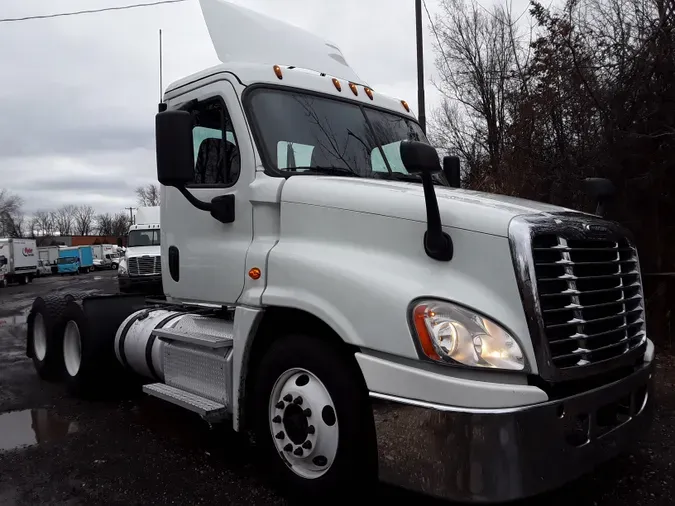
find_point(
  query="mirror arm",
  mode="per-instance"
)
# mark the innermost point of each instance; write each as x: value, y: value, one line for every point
x: 437, y: 244
x: 199, y: 204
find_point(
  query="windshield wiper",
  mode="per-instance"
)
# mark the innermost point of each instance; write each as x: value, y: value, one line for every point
x: 397, y: 176
x: 331, y: 170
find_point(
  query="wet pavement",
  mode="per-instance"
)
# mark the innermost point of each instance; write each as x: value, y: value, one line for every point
x: 133, y: 450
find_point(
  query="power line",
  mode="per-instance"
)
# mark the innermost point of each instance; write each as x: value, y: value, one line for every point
x: 89, y: 11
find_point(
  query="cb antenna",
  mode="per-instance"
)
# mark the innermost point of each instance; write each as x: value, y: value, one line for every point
x: 162, y: 106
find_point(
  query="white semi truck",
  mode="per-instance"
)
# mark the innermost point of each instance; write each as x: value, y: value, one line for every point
x: 331, y: 291
x: 141, y: 268
x: 18, y: 260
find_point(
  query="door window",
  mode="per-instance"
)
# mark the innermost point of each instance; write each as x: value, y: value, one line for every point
x: 217, y: 158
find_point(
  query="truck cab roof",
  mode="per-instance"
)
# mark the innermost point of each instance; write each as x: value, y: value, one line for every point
x: 250, y: 74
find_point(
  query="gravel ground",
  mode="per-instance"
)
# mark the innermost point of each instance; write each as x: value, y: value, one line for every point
x: 58, y: 450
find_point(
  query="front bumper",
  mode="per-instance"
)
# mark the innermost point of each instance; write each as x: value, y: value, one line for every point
x: 501, y: 455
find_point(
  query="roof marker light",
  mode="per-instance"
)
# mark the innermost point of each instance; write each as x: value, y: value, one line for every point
x: 337, y: 84
x: 277, y: 71
x: 405, y: 105
x: 369, y: 92
x: 354, y: 89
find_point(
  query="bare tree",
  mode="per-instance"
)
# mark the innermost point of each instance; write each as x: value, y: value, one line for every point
x: 64, y: 219
x: 148, y: 195
x: 43, y: 223
x: 104, y: 224
x: 120, y: 225
x: 84, y: 220
x: 11, y: 215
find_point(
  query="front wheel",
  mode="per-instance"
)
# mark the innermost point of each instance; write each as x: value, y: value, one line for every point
x: 113, y: 267
x: 313, y: 422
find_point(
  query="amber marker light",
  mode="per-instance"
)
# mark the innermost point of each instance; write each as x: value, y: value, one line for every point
x: 369, y: 92
x: 423, y: 333
x: 254, y: 273
x: 277, y: 71
x: 405, y: 105
x: 337, y: 84
x: 354, y: 89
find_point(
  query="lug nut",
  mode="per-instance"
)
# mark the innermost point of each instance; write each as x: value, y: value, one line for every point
x: 320, y: 461
x: 280, y: 435
x: 288, y: 447
x: 307, y: 412
x: 311, y: 429
x: 288, y: 397
x: 276, y: 419
x: 298, y: 451
x: 280, y: 405
x: 298, y: 401
x: 307, y: 445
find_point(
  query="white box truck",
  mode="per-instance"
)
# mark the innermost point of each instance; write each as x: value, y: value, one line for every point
x: 141, y: 268
x: 50, y: 256
x: 19, y: 257
x: 330, y: 290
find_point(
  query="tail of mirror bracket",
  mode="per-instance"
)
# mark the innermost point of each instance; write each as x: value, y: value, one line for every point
x: 601, y: 190
x: 421, y: 158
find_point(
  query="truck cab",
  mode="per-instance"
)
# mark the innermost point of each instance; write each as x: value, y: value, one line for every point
x: 330, y: 289
x: 68, y: 261
x: 140, y: 268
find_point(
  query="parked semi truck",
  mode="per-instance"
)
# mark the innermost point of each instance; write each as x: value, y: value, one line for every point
x: 330, y: 290
x: 19, y: 259
x: 141, y: 268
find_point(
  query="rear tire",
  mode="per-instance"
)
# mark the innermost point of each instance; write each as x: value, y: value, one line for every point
x: 24, y: 280
x: 89, y: 359
x: 324, y: 444
x: 45, y: 337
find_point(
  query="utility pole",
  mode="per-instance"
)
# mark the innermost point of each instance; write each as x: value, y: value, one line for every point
x: 421, y: 101
x: 131, y: 214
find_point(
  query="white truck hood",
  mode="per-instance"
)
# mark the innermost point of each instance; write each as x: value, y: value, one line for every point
x: 245, y: 36
x: 140, y: 251
x: 465, y: 209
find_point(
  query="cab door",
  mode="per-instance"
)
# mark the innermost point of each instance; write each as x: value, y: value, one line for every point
x: 204, y: 260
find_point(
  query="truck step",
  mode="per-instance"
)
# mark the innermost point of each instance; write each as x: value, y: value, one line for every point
x: 198, y: 339
x: 207, y: 409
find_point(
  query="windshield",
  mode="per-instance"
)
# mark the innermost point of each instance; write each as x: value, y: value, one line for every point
x: 143, y: 238
x: 67, y: 260
x: 308, y: 134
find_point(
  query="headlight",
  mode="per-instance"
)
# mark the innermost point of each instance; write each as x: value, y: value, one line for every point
x: 122, y: 268
x: 450, y: 333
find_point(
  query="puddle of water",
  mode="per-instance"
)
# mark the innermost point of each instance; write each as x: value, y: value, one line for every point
x: 32, y: 426
x: 10, y: 321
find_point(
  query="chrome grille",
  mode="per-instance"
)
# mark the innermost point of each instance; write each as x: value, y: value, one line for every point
x: 145, y: 266
x: 590, y: 297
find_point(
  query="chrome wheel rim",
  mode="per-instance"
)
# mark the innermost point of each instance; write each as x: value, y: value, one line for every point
x: 72, y: 348
x: 303, y: 423
x: 39, y: 337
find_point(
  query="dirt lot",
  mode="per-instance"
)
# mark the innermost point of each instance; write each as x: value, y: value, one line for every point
x: 55, y: 449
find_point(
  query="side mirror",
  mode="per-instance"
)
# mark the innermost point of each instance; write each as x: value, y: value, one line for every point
x: 421, y: 158
x: 175, y: 151
x: 601, y: 190
x: 452, y: 171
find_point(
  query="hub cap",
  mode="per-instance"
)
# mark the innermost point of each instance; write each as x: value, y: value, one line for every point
x: 303, y: 423
x: 72, y: 348
x: 39, y: 337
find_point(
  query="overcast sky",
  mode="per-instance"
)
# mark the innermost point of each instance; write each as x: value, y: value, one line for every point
x: 79, y: 94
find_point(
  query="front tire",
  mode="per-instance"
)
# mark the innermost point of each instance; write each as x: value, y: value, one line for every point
x: 312, y: 419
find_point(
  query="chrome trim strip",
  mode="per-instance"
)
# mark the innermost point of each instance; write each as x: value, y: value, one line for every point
x: 454, y: 409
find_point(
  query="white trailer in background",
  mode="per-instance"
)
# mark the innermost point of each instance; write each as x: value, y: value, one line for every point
x: 49, y: 255
x: 19, y: 258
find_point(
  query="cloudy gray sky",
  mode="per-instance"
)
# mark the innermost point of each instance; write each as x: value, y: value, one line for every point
x: 79, y: 94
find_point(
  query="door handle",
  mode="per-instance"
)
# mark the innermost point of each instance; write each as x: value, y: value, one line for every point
x: 174, y: 263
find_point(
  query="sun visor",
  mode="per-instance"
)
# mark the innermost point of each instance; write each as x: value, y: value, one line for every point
x: 245, y: 36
